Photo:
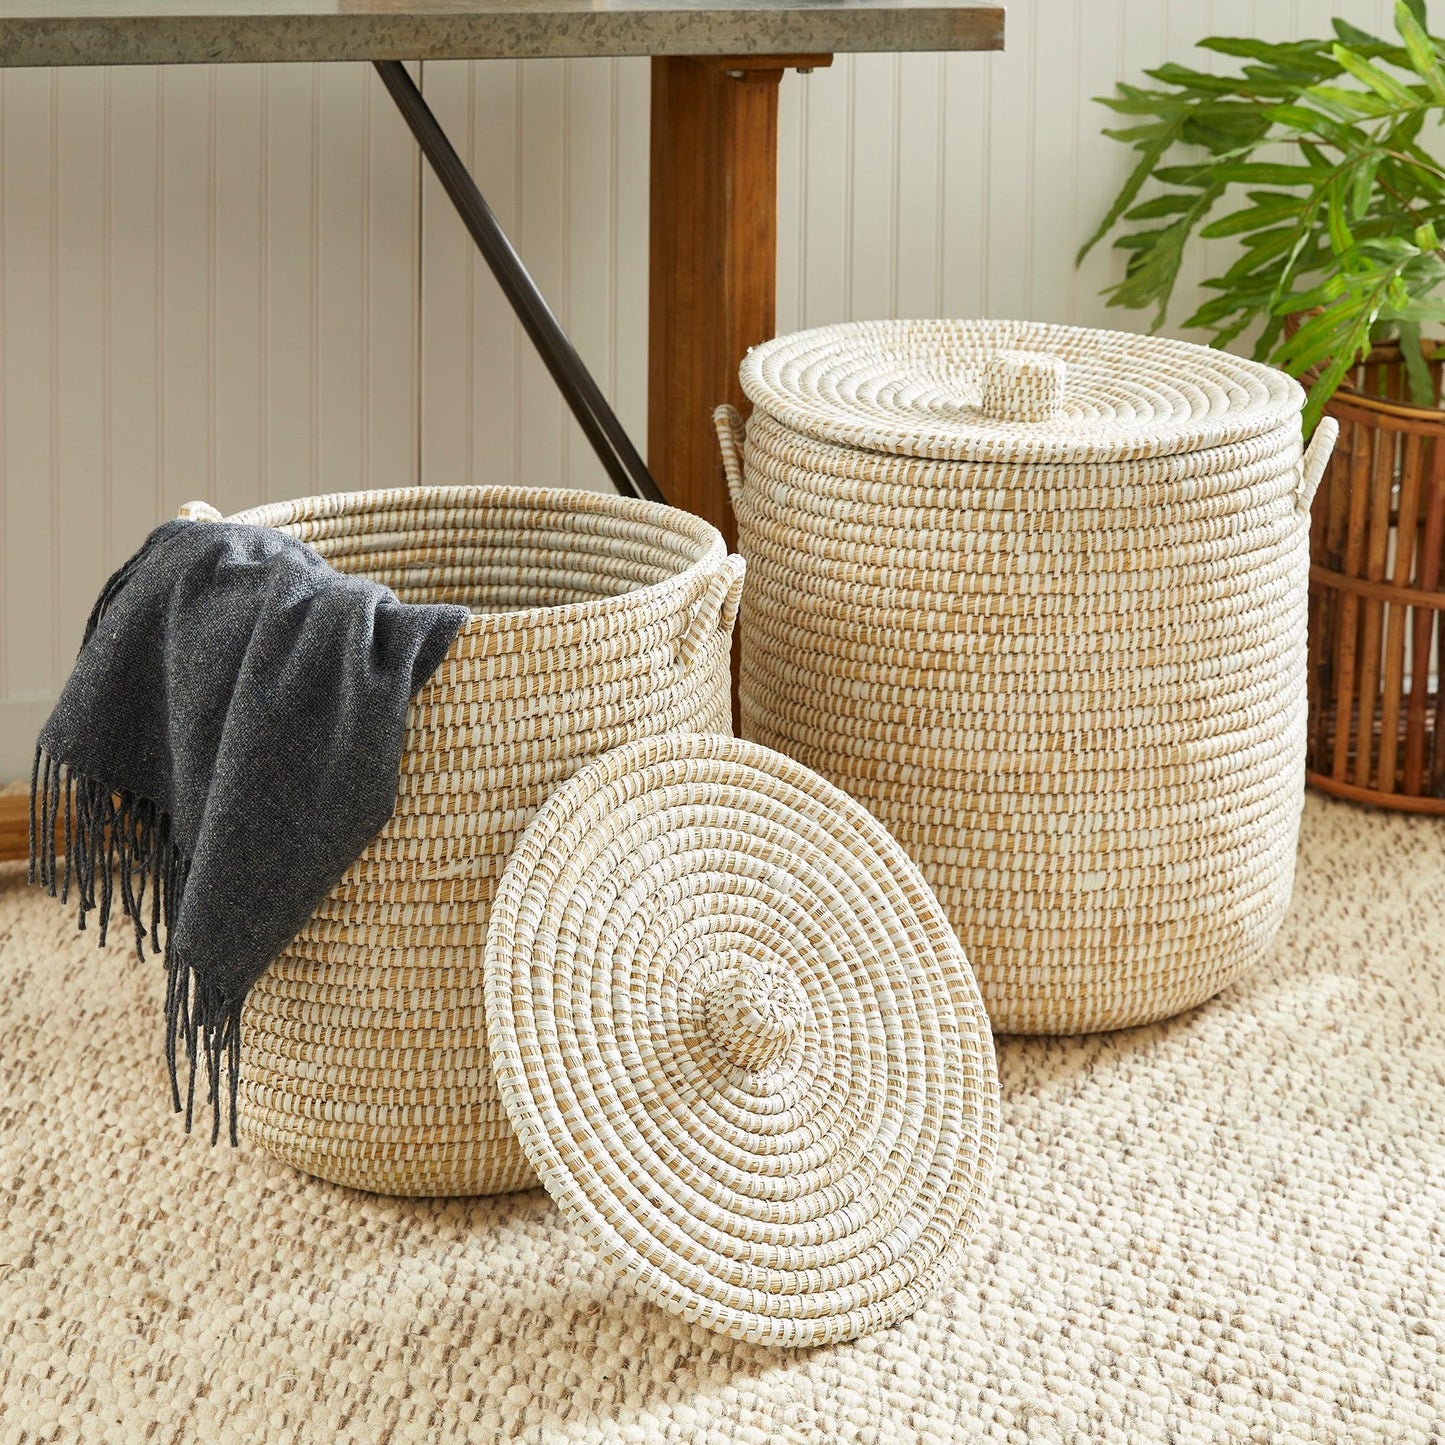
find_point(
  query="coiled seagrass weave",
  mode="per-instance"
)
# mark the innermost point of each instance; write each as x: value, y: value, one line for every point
x: 740, y: 1042
x: 597, y: 620
x: 1036, y: 596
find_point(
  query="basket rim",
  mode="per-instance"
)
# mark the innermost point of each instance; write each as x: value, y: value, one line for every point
x: 795, y: 379
x: 711, y: 547
x: 824, y: 472
x: 1383, y: 353
x: 1349, y: 396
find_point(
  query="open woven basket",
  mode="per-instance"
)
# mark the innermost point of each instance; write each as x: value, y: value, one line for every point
x: 597, y: 620
x: 690, y: 986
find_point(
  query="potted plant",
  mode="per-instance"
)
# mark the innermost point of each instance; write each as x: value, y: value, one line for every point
x: 1321, y: 159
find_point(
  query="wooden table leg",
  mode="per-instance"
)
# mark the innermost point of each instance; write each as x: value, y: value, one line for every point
x: 713, y: 257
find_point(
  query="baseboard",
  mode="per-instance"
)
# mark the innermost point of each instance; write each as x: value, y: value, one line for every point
x: 14, y: 826
x: 20, y: 722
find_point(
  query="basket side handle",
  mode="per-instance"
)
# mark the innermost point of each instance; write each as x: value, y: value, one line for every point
x: 1316, y: 457
x: 199, y: 512
x: 730, y: 433
x: 716, y: 611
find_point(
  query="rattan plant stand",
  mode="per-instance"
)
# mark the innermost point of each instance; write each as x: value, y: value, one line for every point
x: 1377, y: 597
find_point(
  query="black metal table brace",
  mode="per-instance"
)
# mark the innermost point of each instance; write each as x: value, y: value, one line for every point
x: 598, y: 421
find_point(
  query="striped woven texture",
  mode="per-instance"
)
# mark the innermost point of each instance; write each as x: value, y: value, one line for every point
x: 740, y: 1042
x: 597, y: 620
x: 1014, y: 391
x: 1036, y: 596
x: 1223, y: 1229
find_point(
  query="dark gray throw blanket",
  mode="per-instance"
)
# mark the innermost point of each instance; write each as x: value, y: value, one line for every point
x: 228, y: 743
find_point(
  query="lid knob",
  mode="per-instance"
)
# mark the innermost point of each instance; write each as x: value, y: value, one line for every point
x: 752, y: 1015
x: 1023, y: 386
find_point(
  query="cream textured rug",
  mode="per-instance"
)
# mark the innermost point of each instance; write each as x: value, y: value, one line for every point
x: 1230, y: 1227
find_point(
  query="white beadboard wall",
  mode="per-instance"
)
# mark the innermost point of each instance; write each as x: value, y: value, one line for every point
x: 236, y: 283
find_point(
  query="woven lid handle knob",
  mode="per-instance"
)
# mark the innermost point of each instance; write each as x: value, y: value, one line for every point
x: 753, y: 1016
x: 1023, y: 386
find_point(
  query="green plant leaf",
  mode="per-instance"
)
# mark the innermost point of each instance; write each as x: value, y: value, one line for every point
x: 1253, y: 218
x: 1151, y: 151
x: 1268, y: 337
x: 1417, y: 369
x: 1323, y: 295
x: 1265, y: 173
x: 1132, y: 101
x: 1314, y: 343
x: 1275, y: 55
x: 1152, y: 272
x: 1334, y: 144
x: 1197, y: 80
x: 1350, y: 105
x: 1196, y: 176
x: 1321, y: 390
x: 1362, y: 184
x: 1384, y: 85
x: 1135, y: 241
x: 1166, y: 205
x: 1357, y: 39
x: 1419, y: 310
x: 1309, y: 120
x: 1421, y: 49
x: 1341, y: 237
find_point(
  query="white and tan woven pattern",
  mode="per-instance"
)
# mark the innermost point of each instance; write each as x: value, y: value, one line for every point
x: 740, y: 1042
x: 920, y: 389
x: 1074, y: 691
x: 597, y: 620
x: 1023, y: 386
x: 1226, y: 1229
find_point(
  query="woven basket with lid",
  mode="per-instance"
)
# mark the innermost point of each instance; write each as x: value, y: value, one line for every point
x: 1036, y: 596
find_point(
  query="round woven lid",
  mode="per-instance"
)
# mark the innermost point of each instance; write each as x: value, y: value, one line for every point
x: 739, y: 1041
x: 1013, y: 391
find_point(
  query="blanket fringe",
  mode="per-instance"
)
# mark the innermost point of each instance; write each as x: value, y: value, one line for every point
x: 119, y: 840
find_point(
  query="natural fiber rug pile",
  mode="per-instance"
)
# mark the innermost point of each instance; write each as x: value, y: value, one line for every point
x: 1230, y: 1227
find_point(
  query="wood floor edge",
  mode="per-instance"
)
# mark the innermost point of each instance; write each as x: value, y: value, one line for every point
x: 14, y: 826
